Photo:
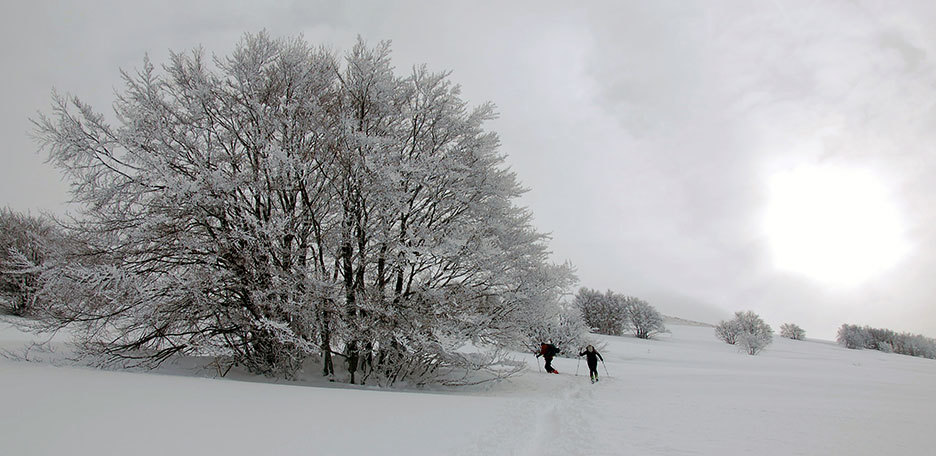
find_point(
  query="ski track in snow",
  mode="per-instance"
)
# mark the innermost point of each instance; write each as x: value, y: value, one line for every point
x: 571, y: 422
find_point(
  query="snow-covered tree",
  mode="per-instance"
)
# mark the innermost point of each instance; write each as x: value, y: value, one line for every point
x: 882, y: 339
x: 602, y: 312
x: 727, y: 331
x: 642, y: 318
x: 563, y: 327
x: 915, y: 345
x: 612, y: 313
x: 754, y: 334
x: 547, y: 315
x: 852, y: 336
x: 792, y: 331
x: 26, y: 243
x: 282, y: 203
x: 746, y: 330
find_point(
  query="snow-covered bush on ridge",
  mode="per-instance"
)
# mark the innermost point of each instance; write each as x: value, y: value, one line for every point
x: 886, y: 340
x: 613, y: 314
x: 792, y: 331
x: 282, y: 203
x: 642, y: 319
x: 727, y: 331
x: 852, y: 336
x: 746, y: 330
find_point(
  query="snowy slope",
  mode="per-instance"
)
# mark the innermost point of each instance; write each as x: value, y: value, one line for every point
x: 684, y: 394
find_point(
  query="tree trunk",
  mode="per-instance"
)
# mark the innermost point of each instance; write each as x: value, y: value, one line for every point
x: 350, y: 306
x: 328, y: 367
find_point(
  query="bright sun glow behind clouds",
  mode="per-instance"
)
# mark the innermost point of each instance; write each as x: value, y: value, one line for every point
x: 835, y: 225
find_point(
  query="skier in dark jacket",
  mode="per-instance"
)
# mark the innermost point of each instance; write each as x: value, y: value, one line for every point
x: 548, y: 351
x: 592, y: 357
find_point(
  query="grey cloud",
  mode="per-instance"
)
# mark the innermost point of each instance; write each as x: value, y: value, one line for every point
x: 645, y: 130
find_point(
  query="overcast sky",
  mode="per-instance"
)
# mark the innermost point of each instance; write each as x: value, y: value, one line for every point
x: 651, y: 133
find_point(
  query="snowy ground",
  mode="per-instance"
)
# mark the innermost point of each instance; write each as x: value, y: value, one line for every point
x: 684, y: 394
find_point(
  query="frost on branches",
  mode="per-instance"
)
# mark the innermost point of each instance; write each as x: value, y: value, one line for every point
x: 727, y: 331
x: 26, y: 243
x: 642, y: 319
x: 886, y: 340
x: 550, y: 318
x: 612, y: 313
x: 282, y: 203
x: 746, y: 330
x: 792, y: 331
x: 602, y: 312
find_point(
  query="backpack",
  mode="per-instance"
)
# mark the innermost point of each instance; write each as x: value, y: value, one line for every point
x: 548, y: 350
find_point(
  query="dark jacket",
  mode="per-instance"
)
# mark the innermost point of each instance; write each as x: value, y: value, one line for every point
x: 592, y: 357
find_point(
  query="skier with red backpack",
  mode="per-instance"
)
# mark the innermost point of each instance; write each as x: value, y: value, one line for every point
x: 548, y: 351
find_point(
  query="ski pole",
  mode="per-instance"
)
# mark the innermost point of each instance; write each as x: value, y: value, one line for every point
x: 538, y: 368
x: 606, y: 368
x: 577, y: 365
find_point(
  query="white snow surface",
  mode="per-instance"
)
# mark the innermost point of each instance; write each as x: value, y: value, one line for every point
x: 685, y: 393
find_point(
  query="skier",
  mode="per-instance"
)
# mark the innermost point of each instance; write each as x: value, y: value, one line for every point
x: 548, y: 350
x: 592, y: 357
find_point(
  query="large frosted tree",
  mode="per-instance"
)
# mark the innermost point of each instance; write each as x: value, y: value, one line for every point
x: 282, y: 203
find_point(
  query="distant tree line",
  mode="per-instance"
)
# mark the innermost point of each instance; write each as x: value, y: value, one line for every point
x: 614, y: 314
x: 886, y: 340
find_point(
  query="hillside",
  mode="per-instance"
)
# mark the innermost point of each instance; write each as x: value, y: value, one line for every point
x: 686, y: 393
x: 670, y: 320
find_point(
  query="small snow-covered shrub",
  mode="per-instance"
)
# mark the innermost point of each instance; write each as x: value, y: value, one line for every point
x: 755, y: 334
x: 792, y: 331
x: 642, y: 318
x: 754, y: 343
x: 727, y: 331
x: 747, y: 331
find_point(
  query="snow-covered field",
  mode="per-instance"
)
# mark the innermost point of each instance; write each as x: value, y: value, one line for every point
x: 683, y: 394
